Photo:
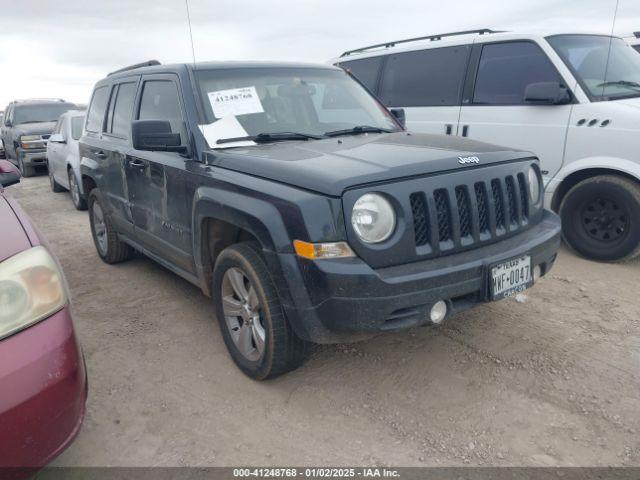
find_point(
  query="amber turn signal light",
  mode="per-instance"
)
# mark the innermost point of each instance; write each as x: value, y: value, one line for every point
x: 316, y: 251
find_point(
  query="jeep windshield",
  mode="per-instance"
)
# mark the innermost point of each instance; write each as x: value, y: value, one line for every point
x: 246, y: 106
x: 40, y: 113
x: 606, y: 67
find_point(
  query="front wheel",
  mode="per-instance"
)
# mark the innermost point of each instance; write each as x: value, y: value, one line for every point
x: 601, y: 218
x: 110, y: 248
x: 254, y: 327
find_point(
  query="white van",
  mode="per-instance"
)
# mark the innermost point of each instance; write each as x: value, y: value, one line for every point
x: 545, y: 93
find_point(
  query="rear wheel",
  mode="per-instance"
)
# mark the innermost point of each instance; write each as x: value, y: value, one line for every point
x: 255, y: 330
x: 55, y: 186
x: 601, y: 218
x: 110, y: 248
x: 74, y: 189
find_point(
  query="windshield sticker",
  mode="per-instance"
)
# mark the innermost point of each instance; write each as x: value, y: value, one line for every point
x: 227, y: 127
x: 235, y: 101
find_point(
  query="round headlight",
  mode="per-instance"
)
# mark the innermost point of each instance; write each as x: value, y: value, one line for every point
x: 373, y: 218
x: 534, y: 185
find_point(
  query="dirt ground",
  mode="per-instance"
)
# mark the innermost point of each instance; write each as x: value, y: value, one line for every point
x: 552, y: 380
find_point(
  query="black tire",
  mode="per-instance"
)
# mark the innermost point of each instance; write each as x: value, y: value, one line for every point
x: 77, y: 198
x: 55, y: 186
x: 113, y: 250
x: 24, y: 170
x: 601, y: 218
x: 283, y: 350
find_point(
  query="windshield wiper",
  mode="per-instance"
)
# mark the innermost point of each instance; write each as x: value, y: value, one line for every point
x: 271, y: 137
x: 620, y: 83
x: 357, y: 130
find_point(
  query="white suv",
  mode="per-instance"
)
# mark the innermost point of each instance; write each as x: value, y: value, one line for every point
x: 545, y: 93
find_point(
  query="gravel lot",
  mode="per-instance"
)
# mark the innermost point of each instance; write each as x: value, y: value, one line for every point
x: 553, y: 380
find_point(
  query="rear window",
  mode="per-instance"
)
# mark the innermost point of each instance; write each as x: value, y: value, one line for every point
x: 95, y: 116
x: 366, y: 70
x: 423, y: 78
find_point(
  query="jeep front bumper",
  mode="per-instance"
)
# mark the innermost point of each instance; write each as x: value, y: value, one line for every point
x: 342, y: 300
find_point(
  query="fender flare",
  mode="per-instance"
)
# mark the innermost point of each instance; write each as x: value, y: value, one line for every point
x: 258, y: 217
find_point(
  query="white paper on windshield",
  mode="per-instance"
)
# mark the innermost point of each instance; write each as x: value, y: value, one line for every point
x: 235, y: 101
x: 227, y: 127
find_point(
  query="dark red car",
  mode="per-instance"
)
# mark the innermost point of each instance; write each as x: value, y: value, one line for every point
x: 43, y: 383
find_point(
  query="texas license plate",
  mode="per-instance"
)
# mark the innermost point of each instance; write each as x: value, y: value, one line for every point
x: 511, y: 277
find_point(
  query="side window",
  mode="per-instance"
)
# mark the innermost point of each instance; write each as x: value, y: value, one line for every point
x: 636, y: 48
x: 506, y: 69
x: 76, y: 127
x: 95, y: 116
x: 365, y: 70
x: 433, y: 77
x: 160, y: 101
x: 119, y: 122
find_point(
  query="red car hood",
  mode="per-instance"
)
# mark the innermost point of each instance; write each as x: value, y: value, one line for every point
x: 13, y: 236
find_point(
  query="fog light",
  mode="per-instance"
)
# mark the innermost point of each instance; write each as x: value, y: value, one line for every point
x: 537, y: 273
x: 438, y: 311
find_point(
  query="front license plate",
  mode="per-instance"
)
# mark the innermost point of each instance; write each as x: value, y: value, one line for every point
x: 510, y: 277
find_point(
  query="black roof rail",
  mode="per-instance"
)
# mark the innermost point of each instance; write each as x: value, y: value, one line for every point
x: 148, y: 63
x: 636, y: 34
x: 481, y: 31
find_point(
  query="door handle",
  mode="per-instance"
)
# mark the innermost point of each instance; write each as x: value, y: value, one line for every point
x: 465, y: 131
x: 100, y: 154
x: 139, y: 164
x: 448, y: 128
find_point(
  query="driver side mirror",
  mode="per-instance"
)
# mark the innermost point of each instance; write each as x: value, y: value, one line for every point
x: 547, y: 93
x: 57, y: 138
x: 9, y: 174
x: 155, y: 136
x: 400, y: 116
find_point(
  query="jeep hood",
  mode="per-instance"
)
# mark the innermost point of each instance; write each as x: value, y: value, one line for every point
x: 35, y: 128
x: 331, y: 166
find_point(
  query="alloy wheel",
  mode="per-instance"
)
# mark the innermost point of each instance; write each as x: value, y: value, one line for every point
x: 242, y: 312
x: 99, y: 228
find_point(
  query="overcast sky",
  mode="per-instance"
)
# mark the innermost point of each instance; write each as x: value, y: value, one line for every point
x: 61, y: 48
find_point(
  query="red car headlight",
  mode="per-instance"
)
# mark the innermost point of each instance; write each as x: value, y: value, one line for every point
x: 31, y: 289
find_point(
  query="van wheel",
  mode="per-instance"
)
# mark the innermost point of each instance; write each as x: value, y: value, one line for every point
x: 601, y: 218
x: 254, y: 328
x: 109, y: 247
x: 74, y: 189
x: 55, y: 186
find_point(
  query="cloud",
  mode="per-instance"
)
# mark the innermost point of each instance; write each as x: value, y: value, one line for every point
x: 61, y: 49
